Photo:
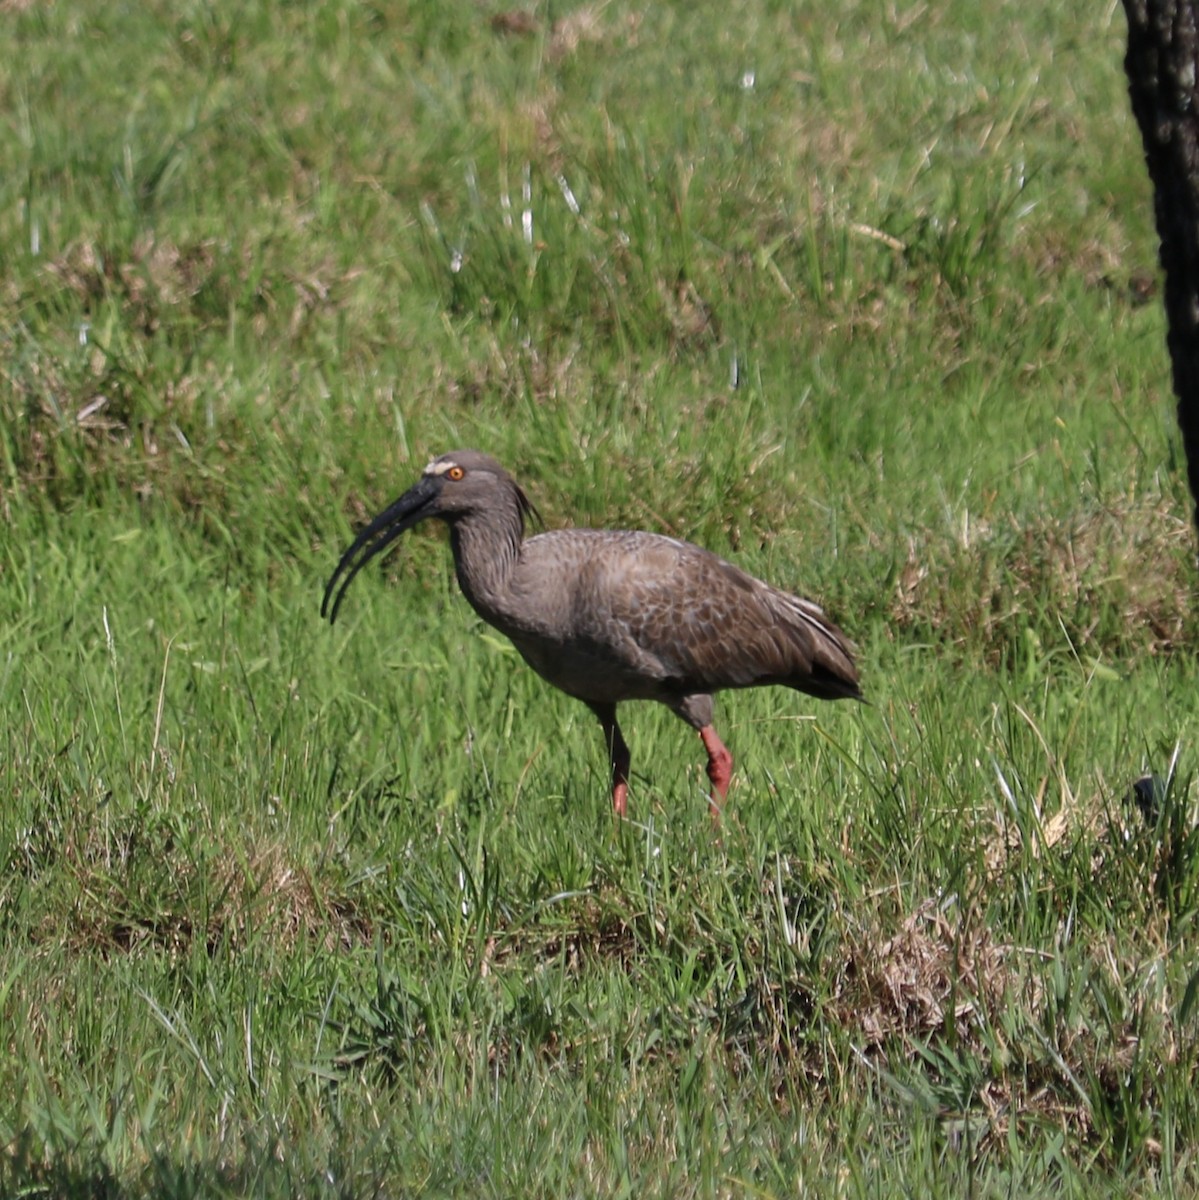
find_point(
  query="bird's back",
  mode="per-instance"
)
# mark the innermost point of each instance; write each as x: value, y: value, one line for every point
x: 610, y: 615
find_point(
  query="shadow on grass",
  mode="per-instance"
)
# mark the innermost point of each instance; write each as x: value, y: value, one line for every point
x: 30, y: 1168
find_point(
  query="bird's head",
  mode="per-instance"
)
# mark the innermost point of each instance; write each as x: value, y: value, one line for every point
x: 453, y: 486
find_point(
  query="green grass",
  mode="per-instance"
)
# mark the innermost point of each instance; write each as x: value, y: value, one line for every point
x: 855, y: 297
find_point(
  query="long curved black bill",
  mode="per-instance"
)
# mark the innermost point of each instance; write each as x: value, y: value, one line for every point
x: 412, y: 507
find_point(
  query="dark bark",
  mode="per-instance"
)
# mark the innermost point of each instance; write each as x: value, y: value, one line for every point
x: 1162, y: 65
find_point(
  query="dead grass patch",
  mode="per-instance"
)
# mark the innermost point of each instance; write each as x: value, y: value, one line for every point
x: 156, y: 271
x: 1113, y: 578
x: 929, y: 972
x: 250, y: 892
x: 935, y: 993
x: 580, y: 27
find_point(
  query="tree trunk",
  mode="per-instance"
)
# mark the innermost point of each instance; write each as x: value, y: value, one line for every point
x: 1162, y: 65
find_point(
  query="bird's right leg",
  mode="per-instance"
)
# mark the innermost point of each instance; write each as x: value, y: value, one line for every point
x: 720, y: 769
x: 618, y: 756
x: 696, y: 710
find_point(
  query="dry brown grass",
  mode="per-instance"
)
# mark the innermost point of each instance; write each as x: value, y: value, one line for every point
x: 249, y: 891
x: 931, y: 971
x: 1113, y: 578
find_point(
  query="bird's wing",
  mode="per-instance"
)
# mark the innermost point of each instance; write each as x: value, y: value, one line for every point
x: 701, y: 624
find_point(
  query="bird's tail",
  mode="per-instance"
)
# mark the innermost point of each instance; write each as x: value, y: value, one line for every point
x: 833, y: 674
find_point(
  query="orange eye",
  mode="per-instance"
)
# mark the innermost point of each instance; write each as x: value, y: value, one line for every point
x: 455, y: 473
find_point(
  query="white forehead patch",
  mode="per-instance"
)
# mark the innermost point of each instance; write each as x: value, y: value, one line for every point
x: 439, y: 468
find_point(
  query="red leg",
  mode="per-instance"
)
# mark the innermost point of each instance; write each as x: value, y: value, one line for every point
x: 720, y: 768
x: 620, y: 795
x: 618, y: 755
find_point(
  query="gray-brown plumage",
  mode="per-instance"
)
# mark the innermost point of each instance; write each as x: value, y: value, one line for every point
x: 610, y: 615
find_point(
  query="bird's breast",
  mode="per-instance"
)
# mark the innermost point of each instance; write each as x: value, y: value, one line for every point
x: 586, y: 671
x: 577, y: 605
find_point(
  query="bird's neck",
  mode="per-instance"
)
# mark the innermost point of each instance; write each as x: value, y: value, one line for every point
x: 486, y: 551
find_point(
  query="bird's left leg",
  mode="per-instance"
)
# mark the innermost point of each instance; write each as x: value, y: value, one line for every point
x: 618, y: 755
x: 720, y: 768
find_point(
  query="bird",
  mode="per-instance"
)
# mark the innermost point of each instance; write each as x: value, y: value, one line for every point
x: 613, y: 615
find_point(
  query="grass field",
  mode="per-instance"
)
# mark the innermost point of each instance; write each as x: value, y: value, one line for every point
x: 863, y: 297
